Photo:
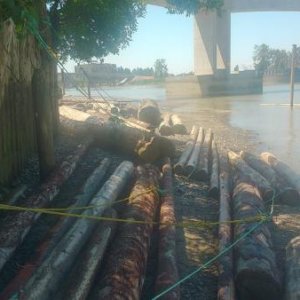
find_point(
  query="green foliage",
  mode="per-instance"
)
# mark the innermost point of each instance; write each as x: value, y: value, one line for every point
x: 160, y: 69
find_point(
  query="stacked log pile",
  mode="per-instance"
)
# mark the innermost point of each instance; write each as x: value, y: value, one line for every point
x: 171, y: 124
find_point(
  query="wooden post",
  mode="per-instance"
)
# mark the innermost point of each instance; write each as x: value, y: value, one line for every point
x: 293, y: 74
x: 63, y: 84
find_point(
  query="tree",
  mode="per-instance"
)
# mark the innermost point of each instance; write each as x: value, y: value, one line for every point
x: 262, y: 58
x: 160, y: 69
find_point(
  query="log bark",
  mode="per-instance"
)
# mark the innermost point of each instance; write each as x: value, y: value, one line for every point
x: 89, y: 261
x: 115, y: 135
x: 256, y: 276
x: 191, y: 166
x: 202, y: 172
x: 292, y: 277
x: 226, y: 288
x: 178, y: 126
x: 45, y: 281
x: 251, y: 175
x: 282, y: 169
x: 167, y: 273
x: 57, y: 232
x: 286, y: 194
x: 179, y: 168
x: 15, y: 227
x: 165, y: 127
x: 149, y: 112
x: 124, y: 273
x: 214, y: 190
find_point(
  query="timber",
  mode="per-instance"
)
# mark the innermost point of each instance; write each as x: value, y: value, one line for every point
x: 226, y: 288
x: 83, y: 272
x: 282, y: 169
x: 149, y: 112
x: 15, y: 227
x: 256, y: 276
x: 292, y: 276
x: 250, y: 175
x: 56, y: 233
x: 179, y: 168
x: 178, y: 126
x: 167, y: 273
x: 50, y: 273
x: 191, y: 166
x: 124, y: 273
x: 202, y: 172
x: 214, y: 190
x: 165, y: 127
x: 286, y: 194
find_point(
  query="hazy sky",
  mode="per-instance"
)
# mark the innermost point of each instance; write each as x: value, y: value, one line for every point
x: 161, y: 35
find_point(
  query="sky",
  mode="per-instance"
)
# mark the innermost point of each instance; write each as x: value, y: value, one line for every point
x: 161, y: 35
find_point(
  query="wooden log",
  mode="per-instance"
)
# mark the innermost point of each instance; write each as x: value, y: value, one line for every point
x: 179, y: 168
x: 202, y: 171
x: 282, y: 169
x: 286, y: 194
x: 165, y: 127
x: 46, y: 279
x: 178, y: 126
x: 191, y: 166
x: 89, y: 261
x: 167, y: 273
x: 57, y: 232
x: 292, y: 277
x: 214, y: 190
x: 149, y: 112
x: 15, y: 227
x: 124, y: 273
x: 256, y: 276
x: 118, y: 136
x: 226, y: 288
x: 251, y: 175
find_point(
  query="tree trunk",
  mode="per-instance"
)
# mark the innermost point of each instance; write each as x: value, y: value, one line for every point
x: 251, y: 175
x: 257, y: 276
x: 286, y: 194
x: 15, y: 227
x: 167, y: 273
x: 292, y: 276
x: 214, y: 191
x: 282, y: 169
x: 202, y: 172
x: 123, y: 275
x: 191, y: 166
x: 226, y: 289
x: 179, y: 168
x: 165, y: 127
x: 178, y: 126
x: 149, y: 112
x: 57, y: 232
x: 49, y: 275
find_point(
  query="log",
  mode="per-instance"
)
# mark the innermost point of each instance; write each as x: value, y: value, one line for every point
x: 251, y: 175
x: 115, y: 135
x: 124, y: 273
x: 286, y: 194
x: 167, y: 273
x: 226, y: 288
x: 292, y: 278
x: 165, y: 127
x: 256, y: 276
x: 89, y: 261
x: 57, y: 232
x: 46, y: 279
x: 179, y: 168
x: 202, y: 172
x: 178, y: 126
x: 214, y: 191
x: 15, y: 226
x: 282, y: 169
x: 149, y: 112
x: 191, y: 166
